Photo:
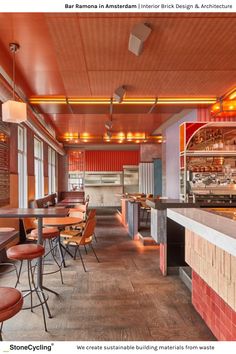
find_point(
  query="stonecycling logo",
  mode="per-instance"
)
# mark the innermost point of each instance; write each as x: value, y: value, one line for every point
x: 30, y: 347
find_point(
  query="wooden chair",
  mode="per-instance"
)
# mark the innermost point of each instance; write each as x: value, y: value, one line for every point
x: 81, y: 207
x: 146, y: 209
x: 82, y: 240
x: 79, y: 227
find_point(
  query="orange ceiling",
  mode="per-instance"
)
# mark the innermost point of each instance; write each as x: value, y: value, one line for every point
x: 86, y: 55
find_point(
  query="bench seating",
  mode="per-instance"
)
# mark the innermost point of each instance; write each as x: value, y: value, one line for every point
x: 45, y: 202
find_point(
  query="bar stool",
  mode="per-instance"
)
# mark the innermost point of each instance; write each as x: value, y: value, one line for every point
x: 49, y: 234
x: 11, y: 303
x: 28, y: 252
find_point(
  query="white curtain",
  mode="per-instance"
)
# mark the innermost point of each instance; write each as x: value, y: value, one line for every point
x: 146, y: 177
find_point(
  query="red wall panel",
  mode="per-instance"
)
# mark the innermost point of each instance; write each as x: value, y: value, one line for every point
x: 110, y: 160
x: 203, y: 115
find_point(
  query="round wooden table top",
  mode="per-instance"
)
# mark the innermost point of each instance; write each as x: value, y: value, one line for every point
x: 67, y: 221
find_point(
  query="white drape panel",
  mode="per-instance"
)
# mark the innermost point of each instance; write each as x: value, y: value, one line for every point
x: 146, y: 177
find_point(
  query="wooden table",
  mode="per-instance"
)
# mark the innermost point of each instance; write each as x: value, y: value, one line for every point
x: 6, y: 237
x: 39, y: 213
x: 70, y: 202
x: 61, y: 222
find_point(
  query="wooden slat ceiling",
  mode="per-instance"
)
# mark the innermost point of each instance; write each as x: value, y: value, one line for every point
x: 86, y: 55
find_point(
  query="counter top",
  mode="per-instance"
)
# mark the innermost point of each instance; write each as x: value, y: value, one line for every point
x: 162, y: 204
x: 213, y: 227
x: 170, y: 203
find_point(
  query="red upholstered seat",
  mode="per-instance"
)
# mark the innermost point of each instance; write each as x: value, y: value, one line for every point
x: 48, y: 233
x: 10, y: 304
x: 25, y: 252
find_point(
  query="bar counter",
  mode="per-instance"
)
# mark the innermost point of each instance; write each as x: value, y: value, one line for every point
x: 217, y: 227
x: 169, y: 234
x: 210, y: 250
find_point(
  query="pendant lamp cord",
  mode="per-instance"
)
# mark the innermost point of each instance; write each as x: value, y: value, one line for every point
x: 14, y: 47
x: 14, y: 74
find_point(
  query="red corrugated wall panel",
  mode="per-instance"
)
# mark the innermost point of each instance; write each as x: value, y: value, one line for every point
x: 203, y: 115
x: 110, y: 160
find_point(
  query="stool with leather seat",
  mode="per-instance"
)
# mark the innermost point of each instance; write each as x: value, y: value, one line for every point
x: 49, y: 234
x: 29, y: 252
x: 11, y: 303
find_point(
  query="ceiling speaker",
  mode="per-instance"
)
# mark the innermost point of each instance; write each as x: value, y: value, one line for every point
x: 119, y: 94
x: 138, y: 36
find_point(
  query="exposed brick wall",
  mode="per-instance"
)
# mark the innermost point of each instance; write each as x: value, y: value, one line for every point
x: 219, y: 317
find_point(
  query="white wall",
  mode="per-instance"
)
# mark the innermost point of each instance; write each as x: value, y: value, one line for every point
x: 171, y: 155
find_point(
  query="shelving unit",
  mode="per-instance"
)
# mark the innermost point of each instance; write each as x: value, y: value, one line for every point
x: 99, y: 179
x: 209, y: 171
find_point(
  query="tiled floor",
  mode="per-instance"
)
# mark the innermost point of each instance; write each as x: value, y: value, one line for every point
x: 124, y: 297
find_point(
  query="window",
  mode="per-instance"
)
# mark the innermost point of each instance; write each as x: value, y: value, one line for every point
x: 22, y: 168
x: 51, y: 171
x: 38, y: 168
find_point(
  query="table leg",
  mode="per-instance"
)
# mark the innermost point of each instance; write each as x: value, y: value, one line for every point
x: 40, y: 260
x: 40, y: 267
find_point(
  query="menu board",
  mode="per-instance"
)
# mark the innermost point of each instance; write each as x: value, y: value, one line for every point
x: 4, y: 165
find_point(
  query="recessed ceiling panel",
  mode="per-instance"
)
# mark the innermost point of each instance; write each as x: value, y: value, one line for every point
x: 162, y: 83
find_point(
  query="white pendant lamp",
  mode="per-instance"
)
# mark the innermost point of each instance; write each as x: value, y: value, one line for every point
x: 14, y: 111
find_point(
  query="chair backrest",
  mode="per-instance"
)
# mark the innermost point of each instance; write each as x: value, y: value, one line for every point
x: 143, y: 203
x: 29, y: 224
x: 81, y: 207
x: 91, y: 214
x: 76, y: 214
x: 88, y: 232
x: 26, y: 226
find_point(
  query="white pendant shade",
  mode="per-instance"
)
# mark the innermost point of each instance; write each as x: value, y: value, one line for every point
x: 14, y: 112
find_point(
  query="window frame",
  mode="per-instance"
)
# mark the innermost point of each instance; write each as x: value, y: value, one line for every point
x: 22, y: 167
x: 38, y: 168
x: 51, y: 170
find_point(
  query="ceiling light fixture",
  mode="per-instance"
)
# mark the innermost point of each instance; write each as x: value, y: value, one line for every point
x: 126, y: 101
x: 14, y: 111
x: 232, y: 96
x: 225, y: 105
x: 109, y: 134
x: 108, y: 125
x: 138, y: 36
x: 119, y: 94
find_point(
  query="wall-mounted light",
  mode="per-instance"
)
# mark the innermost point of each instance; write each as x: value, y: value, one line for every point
x: 14, y: 111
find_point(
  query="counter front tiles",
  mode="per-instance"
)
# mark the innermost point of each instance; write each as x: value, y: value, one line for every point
x: 210, y: 251
x: 214, y: 228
